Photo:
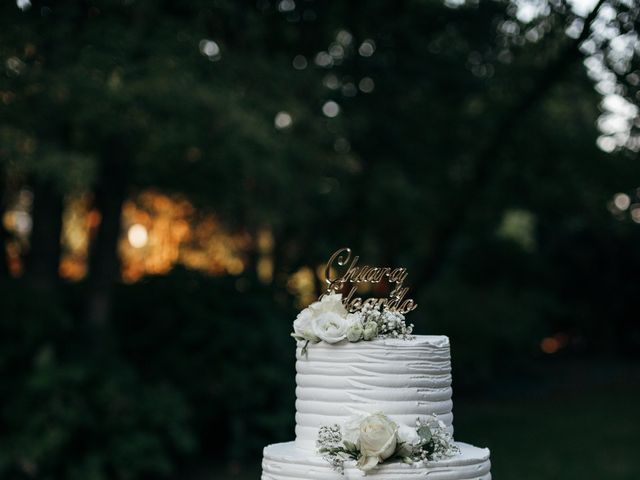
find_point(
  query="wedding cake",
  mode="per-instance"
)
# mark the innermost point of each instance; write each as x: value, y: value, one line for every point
x: 371, y: 398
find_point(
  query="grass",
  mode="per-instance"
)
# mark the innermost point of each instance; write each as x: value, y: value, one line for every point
x: 585, y: 434
x: 575, y: 436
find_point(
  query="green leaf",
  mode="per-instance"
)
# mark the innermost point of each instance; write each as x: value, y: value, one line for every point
x: 425, y: 433
x: 350, y: 446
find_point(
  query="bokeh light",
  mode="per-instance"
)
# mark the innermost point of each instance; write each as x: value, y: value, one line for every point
x: 549, y: 345
x: 323, y: 59
x: 606, y: 144
x: 344, y: 37
x: 210, y: 49
x: 286, y: 6
x: 349, y: 90
x: 23, y: 4
x: 138, y: 235
x: 367, y: 48
x: 336, y: 51
x: 366, y: 85
x: 621, y: 201
x: 555, y: 343
x: 331, y: 109
x: 283, y: 120
x: 331, y: 82
x: 299, y: 62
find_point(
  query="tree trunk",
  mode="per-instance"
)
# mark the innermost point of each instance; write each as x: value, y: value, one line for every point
x: 43, y: 260
x: 104, y: 263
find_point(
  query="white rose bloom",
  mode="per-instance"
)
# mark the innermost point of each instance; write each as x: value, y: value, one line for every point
x: 303, y: 326
x: 330, y: 327
x: 367, y: 463
x: 378, y: 440
x: 351, y: 430
x: 409, y: 439
x: 329, y: 304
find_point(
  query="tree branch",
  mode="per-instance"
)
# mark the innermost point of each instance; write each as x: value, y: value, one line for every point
x: 487, y: 157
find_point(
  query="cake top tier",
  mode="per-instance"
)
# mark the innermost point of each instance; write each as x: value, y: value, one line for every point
x: 404, y: 379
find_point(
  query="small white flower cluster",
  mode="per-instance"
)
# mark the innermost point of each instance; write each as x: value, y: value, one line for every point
x: 390, y: 324
x: 330, y: 436
x: 330, y: 446
x: 440, y: 442
x: 373, y: 439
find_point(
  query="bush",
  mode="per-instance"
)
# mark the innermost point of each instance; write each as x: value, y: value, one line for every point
x: 66, y: 414
x: 495, y: 307
x: 224, y: 343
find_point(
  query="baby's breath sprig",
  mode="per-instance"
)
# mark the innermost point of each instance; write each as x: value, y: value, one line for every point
x: 332, y: 448
x: 436, y: 442
x: 390, y: 324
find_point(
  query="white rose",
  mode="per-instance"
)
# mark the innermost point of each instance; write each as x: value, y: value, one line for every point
x: 378, y: 440
x: 303, y: 326
x: 330, y: 327
x: 351, y: 430
x: 367, y: 463
x: 409, y: 439
x: 329, y: 304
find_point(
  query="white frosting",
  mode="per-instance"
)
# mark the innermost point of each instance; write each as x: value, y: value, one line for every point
x: 283, y: 461
x: 405, y: 379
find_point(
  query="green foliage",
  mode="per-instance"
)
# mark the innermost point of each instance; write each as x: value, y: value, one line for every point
x: 229, y: 352
x: 200, y: 364
x: 68, y: 414
x: 85, y: 421
x: 495, y: 305
x: 466, y: 151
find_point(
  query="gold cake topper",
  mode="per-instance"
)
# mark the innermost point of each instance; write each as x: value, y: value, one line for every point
x: 356, y: 274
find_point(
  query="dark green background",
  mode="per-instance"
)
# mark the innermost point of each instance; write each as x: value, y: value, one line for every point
x: 473, y: 162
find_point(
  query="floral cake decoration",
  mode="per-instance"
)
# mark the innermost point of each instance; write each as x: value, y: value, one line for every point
x: 327, y: 320
x: 334, y: 318
x: 370, y: 440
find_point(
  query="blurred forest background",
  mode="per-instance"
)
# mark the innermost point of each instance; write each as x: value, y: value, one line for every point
x: 173, y: 173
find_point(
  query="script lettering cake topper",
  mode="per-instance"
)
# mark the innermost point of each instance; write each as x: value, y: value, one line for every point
x: 356, y: 274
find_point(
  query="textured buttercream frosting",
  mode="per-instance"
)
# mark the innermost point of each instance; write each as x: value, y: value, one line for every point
x: 283, y: 461
x: 405, y: 379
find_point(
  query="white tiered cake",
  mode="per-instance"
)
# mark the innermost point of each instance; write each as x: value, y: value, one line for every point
x: 371, y: 398
x: 403, y: 378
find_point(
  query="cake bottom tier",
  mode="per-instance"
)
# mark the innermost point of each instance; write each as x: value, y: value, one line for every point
x: 283, y: 461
